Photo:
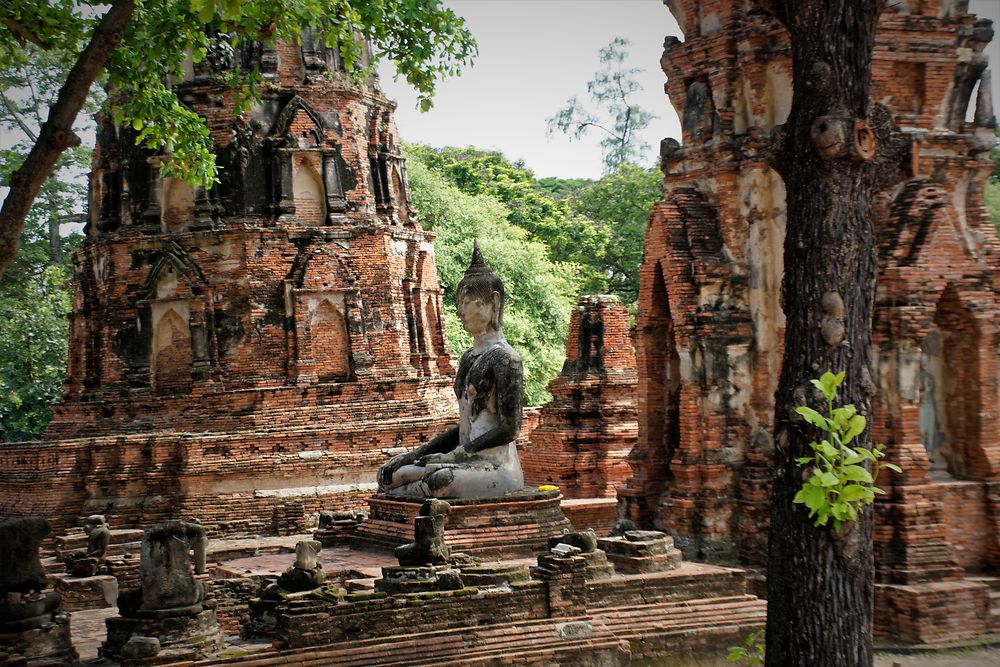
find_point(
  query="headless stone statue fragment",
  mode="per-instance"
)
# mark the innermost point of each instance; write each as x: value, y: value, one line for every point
x: 168, y: 584
x: 477, y: 458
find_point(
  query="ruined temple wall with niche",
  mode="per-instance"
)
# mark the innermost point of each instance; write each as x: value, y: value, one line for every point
x: 263, y: 344
x: 710, y: 324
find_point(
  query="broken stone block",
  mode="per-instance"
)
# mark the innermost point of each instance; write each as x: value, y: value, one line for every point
x: 584, y: 540
x: 305, y: 575
x: 140, y: 647
x: 641, y: 551
x: 565, y: 550
x: 424, y: 579
x: 33, y: 628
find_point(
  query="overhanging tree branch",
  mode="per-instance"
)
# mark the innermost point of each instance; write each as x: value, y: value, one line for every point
x: 19, y: 119
x: 57, y: 133
x: 23, y: 35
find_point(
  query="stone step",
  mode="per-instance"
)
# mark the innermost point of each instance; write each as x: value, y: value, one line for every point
x: 531, y: 642
x: 992, y: 582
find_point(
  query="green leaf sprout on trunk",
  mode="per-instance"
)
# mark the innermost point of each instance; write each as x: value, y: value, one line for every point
x: 839, y: 485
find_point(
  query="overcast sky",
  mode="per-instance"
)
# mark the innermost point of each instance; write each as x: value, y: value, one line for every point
x: 536, y: 54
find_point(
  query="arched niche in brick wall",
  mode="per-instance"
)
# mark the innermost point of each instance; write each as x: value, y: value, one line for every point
x: 170, y: 358
x: 935, y: 328
x: 658, y: 394
x: 307, y: 188
x: 660, y: 363
x: 951, y: 398
x: 170, y: 338
x: 435, y: 340
x: 326, y: 337
x: 306, y: 164
x: 400, y: 193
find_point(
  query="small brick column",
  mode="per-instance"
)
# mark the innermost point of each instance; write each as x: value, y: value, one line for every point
x: 566, y: 579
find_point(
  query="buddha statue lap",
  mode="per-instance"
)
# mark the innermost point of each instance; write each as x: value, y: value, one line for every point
x: 478, y: 457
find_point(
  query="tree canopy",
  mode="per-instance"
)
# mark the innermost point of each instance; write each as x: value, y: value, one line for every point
x: 617, y: 117
x: 620, y: 203
x: 140, y: 46
x: 540, y: 292
x: 598, y: 225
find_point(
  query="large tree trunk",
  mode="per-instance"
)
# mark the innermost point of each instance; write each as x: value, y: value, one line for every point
x: 819, y: 582
x: 57, y: 133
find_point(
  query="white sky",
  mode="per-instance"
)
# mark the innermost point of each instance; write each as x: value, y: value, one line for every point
x: 536, y: 54
x: 533, y: 56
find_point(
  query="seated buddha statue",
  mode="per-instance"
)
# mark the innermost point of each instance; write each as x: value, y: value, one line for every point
x: 478, y: 457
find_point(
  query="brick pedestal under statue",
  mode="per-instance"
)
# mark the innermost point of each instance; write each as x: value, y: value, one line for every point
x: 248, y: 354
x: 517, y: 525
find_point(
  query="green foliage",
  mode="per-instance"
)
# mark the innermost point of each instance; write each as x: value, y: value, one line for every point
x: 839, y: 484
x: 569, y: 237
x: 561, y: 188
x: 991, y: 199
x: 540, y: 292
x: 620, y: 120
x: 34, y: 290
x: 423, y: 38
x: 752, y: 651
x: 33, y: 345
x: 991, y: 195
x: 620, y: 202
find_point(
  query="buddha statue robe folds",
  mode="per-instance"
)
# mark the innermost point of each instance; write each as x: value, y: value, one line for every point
x: 478, y: 457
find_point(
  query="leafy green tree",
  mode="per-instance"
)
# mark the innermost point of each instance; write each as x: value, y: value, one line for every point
x: 561, y: 188
x: 33, y: 345
x: 991, y: 195
x: 569, y: 237
x: 619, y: 119
x: 620, y: 202
x: 140, y: 45
x: 540, y: 292
x: 34, y: 290
x: 26, y: 90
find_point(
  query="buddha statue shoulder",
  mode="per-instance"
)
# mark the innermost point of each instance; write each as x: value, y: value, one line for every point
x: 478, y: 457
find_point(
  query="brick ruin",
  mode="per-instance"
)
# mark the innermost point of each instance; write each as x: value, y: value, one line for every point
x: 589, y: 427
x: 244, y: 353
x: 710, y: 323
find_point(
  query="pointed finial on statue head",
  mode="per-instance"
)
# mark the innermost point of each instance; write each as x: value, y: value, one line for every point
x: 477, y: 255
x: 478, y: 265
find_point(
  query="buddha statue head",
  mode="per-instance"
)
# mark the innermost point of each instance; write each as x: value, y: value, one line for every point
x: 480, y: 295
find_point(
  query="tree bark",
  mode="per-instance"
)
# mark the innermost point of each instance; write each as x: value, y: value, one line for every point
x: 820, y: 583
x: 57, y: 133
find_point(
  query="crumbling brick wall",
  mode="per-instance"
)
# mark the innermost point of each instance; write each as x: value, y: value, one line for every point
x: 588, y: 428
x: 268, y: 341
x: 710, y: 325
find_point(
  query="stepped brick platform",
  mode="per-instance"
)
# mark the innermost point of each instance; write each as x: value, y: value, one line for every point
x: 576, y: 640
x: 559, y: 619
x: 510, y: 526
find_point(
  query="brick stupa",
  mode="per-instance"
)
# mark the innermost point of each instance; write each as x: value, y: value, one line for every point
x: 587, y: 430
x: 710, y: 324
x: 249, y: 353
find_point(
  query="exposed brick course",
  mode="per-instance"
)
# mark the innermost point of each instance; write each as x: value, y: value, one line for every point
x: 586, y: 432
